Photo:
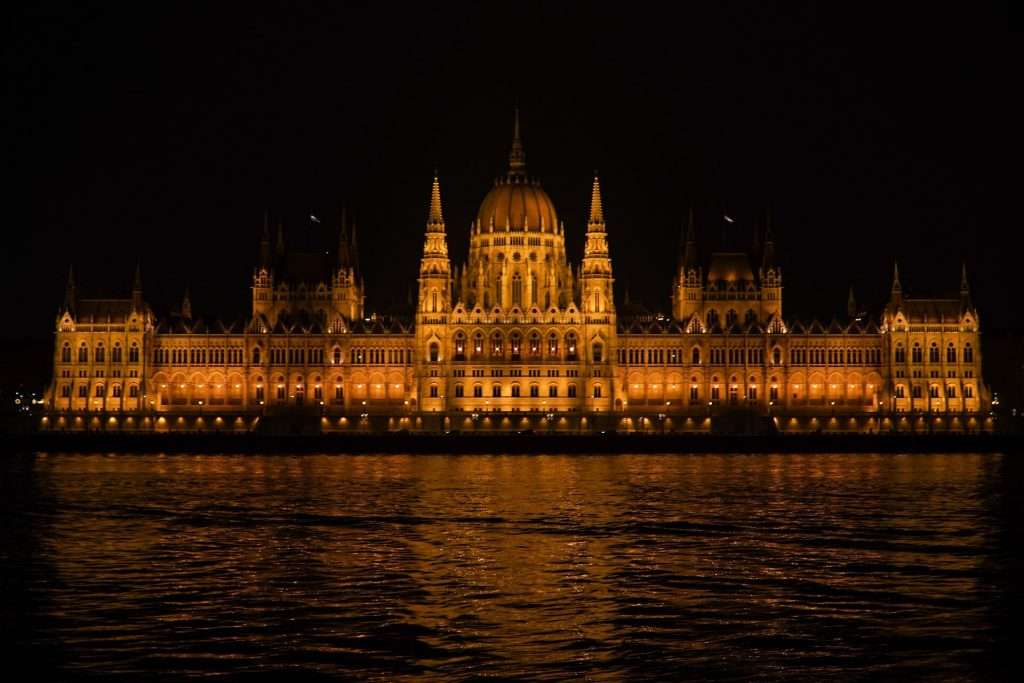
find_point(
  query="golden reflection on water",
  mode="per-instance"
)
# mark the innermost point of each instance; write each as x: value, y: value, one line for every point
x: 612, y: 567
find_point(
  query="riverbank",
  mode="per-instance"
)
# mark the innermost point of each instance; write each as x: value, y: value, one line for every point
x: 403, y: 442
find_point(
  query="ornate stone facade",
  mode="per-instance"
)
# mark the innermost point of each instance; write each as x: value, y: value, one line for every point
x: 518, y: 339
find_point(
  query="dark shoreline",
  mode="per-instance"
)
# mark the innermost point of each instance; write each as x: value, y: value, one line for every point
x: 398, y: 442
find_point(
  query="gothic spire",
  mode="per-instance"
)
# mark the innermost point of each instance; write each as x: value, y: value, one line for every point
x: 965, y: 291
x: 517, y: 157
x: 265, y: 241
x: 768, y: 258
x: 435, y: 223
x: 137, y: 287
x: 70, y: 292
x: 689, y: 255
x: 186, y: 306
x: 851, y: 305
x: 344, y: 253
x: 596, y: 221
x: 896, y: 287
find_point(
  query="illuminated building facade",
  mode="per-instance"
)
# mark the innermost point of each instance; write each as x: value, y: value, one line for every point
x: 516, y: 338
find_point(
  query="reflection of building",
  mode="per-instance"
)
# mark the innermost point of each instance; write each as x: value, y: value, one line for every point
x: 517, y: 338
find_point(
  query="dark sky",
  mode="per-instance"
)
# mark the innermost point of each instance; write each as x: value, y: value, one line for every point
x: 873, y: 132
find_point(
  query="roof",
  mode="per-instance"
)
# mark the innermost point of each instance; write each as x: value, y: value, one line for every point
x: 103, y: 308
x: 521, y: 204
x: 730, y: 267
x: 931, y: 310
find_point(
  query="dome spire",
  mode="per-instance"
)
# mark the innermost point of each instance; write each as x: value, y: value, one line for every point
x: 517, y: 157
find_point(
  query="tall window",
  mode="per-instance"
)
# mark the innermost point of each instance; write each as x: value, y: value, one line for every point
x: 459, y: 391
x: 336, y: 356
x: 776, y: 356
x: 256, y: 355
x: 534, y: 344
x: 951, y: 354
x: 901, y: 354
x: 712, y: 318
x: 478, y: 343
x: 433, y: 391
x: 65, y: 353
x: 515, y: 342
x: 100, y: 353
x: 534, y: 391
x: 517, y: 290
x: 750, y: 317
x: 552, y: 344
x: 899, y: 391
x: 933, y: 391
x: 694, y: 393
x: 597, y: 351
x: 933, y: 353
x: 83, y: 354
x: 695, y: 355
x: 259, y: 394
x: 730, y: 318
x: 434, y: 352
x: 968, y: 353
x: 100, y: 391
x: 915, y: 354
x: 496, y: 391
x: 115, y: 354
x: 553, y: 391
x: 115, y: 391
x: 597, y: 391
x: 496, y: 345
x: 515, y: 391
x: 570, y: 345
x: 572, y: 391
x: 478, y: 391
x: 65, y: 390
x: 460, y: 346
x: 133, y: 353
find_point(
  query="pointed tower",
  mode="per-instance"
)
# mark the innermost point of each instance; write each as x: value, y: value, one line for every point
x: 965, y: 291
x: 70, y: 293
x: 851, y: 306
x: 896, y: 296
x: 137, y: 288
x: 771, y: 275
x: 263, y: 275
x: 435, y: 268
x: 517, y: 157
x: 346, y: 290
x: 688, y: 291
x: 596, y: 275
x: 186, y: 306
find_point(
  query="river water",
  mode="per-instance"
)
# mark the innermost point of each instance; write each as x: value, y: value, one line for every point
x: 619, y: 568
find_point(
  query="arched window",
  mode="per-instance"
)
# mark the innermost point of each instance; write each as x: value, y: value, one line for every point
x: 950, y: 391
x: 552, y: 391
x: 435, y: 351
x: 65, y: 353
x: 497, y: 345
x: 933, y: 391
x: 597, y: 391
x: 552, y: 344
x: 570, y: 346
x: 115, y: 354
x: 133, y: 353
x: 515, y: 342
x: 712, y: 318
x: 478, y: 343
x: 336, y: 356
x: 901, y: 354
x: 478, y: 391
x: 899, y: 391
x: 83, y: 353
x: 951, y: 353
x: 433, y: 391
x: 695, y: 356
x: 533, y: 289
x: 597, y: 351
x: 776, y: 356
x: 256, y: 355
x: 572, y: 391
x: 100, y: 353
x: 65, y: 390
x: 730, y: 318
x: 933, y: 353
x: 968, y: 353
x: 433, y: 301
x: 916, y: 355
x: 459, y: 391
x: 750, y: 317
x: 517, y: 290
x: 460, y: 346
x: 534, y: 344
x: 115, y: 391
x: 515, y: 391
x: 496, y: 391
x: 133, y: 391
x: 100, y: 392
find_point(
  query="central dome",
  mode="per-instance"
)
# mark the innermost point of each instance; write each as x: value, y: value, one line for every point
x: 515, y: 202
x: 519, y: 204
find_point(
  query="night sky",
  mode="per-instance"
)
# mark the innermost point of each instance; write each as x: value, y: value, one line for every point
x: 873, y: 133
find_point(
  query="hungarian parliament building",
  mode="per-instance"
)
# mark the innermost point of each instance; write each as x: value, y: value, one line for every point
x: 517, y: 338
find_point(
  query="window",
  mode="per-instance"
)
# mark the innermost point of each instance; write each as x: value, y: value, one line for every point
x: 339, y: 392
x: 434, y: 352
x: 517, y: 290
x: 773, y: 393
x: 694, y: 393
x: 597, y: 391
x: 65, y: 389
x: 597, y: 351
x: 552, y: 344
x: 951, y: 354
x: 572, y: 391
x: 496, y: 345
x: 280, y: 392
x: 901, y: 354
x: 916, y: 391
x: 734, y: 394
x: 336, y: 356
x: 459, y: 391
x: 752, y: 393
x: 496, y: 391
x: 133, y: 391
x: 933, y: 391
x: 968, y: 391
x: 750, y: 317
x: 552, y: 391
x: 570, y: 346
x: 478, y: 343
x: 534, y: 391
x: 83, y: 354
x: 115, y: 391
x: 950, y: 391
x: 899, y: 391
x: 916, y: 355
x: 715, y: 394
x: 695, y: 355
x: 730, y: 318
x: 933, y: 353
x: 318, y: 392
x: 259, y: 394
x: 478, y: 391
x: 968, y: 354
x: 776, y: 356
x: 83, y: 391
x: 712, y: 316
x: 100, y: 391
x: 100, y: 353
x: 256, y: 355
x: 515, y: 391
x: 115, y: 354
x: 433, y: 391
